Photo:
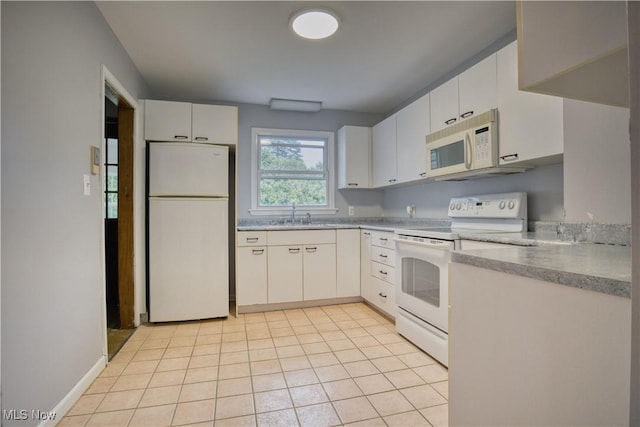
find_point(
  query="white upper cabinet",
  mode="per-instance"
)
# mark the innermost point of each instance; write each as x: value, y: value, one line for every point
x: 412, y: 127
x: 354, y: 157
x: 167, y: 121
x: 530, y: 124
x: 579, y: 52
x: 470, y: 93
x: 384, y: 152
x: 477, y: 88
x: 182, y: 121
x: 215, y: 124
x: 444, y: 105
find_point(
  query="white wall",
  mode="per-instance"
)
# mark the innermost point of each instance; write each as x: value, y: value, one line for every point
x: 543, y: 185
x: 366, y: 203
x: 597, y: 173
x: 52, y: 282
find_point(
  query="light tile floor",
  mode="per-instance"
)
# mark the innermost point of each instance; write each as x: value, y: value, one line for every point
x: 321, y: 366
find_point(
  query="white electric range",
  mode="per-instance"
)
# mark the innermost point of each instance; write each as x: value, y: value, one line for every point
x: 422, y: 264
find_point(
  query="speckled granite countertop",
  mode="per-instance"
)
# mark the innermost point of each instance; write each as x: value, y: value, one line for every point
x: 537, y: 238
x: 594, y: 267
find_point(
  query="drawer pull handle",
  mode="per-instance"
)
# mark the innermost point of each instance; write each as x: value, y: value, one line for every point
x: 201, y: 138
x: 392, y: 180
x: 383, y: 256
x: 252, y: 239
x: 509, y: 157
x: 382, y: 295
x: 366, y: 233
x: 352, y: 184
x: 311, y: 249
x: 257, y: 251
x: 294, y: 250
x: 180, y: 137
x: 467, y: 114
x: 383, y: 272
x: 384, y: 239
x: 450, y: 121
x: 423, y: 174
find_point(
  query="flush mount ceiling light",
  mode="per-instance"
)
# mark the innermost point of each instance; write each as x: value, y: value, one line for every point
x: 295, y: 105
x: 315, y: 24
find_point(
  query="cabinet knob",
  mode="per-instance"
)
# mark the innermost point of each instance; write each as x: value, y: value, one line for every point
x: 510, y: 157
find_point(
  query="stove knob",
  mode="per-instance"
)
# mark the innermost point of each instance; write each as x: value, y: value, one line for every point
x: 502, y: 204
x: 458, y: 206
x: 512, y: 204
x: 452, y: 206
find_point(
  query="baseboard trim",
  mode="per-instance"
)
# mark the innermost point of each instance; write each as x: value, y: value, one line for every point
x: 72, y: 397
x: 258, y: 308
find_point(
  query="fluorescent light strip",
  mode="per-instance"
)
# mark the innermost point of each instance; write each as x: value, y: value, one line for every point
x: 295, y: 105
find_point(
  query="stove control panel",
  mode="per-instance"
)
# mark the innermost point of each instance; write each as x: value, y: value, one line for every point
x: 504, y: 205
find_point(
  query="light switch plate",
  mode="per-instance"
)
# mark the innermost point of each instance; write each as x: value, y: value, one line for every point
x: 351, y: 210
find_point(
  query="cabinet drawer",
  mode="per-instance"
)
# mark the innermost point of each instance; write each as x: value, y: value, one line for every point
x: 383, y: 272
x: 302, y: 237
x: 252, y: 238
x: 382, y: 238
x: 384, y: 296
x: 383, y: 255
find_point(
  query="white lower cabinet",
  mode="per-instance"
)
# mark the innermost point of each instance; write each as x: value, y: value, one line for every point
x: 251, y: 276
x: 348, y: 262
x: 284, y: 274
x: 377, y: 262
x: 319, y: 271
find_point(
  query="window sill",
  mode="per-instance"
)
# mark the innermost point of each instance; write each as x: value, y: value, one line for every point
x: 287, y: 211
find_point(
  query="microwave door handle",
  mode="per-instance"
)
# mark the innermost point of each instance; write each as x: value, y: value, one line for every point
x: 467, y: 151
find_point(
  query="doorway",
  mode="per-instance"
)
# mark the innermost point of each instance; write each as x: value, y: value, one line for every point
x: 118, y: 219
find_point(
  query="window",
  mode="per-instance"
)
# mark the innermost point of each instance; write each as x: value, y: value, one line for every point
x: 292, y: 166
x: 111, y: 183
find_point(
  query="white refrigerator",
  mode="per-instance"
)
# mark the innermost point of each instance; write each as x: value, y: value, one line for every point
x: 188, y: 253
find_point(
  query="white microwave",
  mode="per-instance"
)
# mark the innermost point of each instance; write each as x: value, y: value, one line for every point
x: 467, y: 146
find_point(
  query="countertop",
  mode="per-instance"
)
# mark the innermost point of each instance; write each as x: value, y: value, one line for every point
x: 600, y: 268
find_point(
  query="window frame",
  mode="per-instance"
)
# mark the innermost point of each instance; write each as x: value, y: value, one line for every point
x: 329, y: 209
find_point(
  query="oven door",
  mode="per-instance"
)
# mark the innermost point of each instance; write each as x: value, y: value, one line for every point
x: 422, y: 279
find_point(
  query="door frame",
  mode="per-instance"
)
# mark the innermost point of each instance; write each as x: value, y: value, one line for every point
x: 107, y: 78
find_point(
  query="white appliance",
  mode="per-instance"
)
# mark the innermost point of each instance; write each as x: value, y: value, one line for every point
x: 188, y: 253
x: 467, y: 149
x: 422, y: 265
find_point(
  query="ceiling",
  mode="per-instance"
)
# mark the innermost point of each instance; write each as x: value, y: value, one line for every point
x: 384, y: 52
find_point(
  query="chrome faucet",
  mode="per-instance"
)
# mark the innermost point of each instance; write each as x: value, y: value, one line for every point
x: 308, y: 217
x: 293, y: 212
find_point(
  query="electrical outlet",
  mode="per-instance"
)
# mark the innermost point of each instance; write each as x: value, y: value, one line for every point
x: 351, y: 210
x: 86, y: 179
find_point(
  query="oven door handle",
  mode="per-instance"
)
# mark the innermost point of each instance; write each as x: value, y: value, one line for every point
x: 430, y: 243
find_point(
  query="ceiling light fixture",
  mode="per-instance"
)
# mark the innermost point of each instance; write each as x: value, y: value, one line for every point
x: 295, y: 105
x: 314, y: 24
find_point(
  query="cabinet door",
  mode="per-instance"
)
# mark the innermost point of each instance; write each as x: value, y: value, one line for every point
x: 413, y: 127
x: 348, y: 262
x: 384, y: 152
x: 319, y: 266
x: 167, y: 121
x: 365, y: 265
x: 477, y: 88
x: 251, y: 275
x: 284, y: 273
x: 354, y: 156
x: 215, y: 124
x: 444, y: 105
x: 530, y: 124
